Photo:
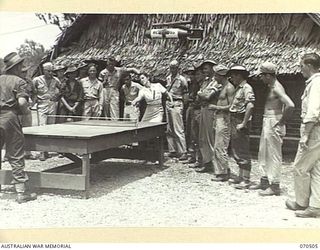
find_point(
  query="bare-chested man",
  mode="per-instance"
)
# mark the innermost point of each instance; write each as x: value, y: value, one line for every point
x: 277, y: 109
x: 222, y: 124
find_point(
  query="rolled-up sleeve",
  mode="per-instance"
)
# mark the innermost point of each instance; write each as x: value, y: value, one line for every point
x: 22, y: 89
x: 249, y: 94
x: 313, y: 103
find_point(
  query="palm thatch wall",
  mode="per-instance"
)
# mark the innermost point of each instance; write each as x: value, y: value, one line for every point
x: 247, y: 39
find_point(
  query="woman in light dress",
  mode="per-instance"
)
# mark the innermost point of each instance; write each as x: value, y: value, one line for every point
x: 152, y: 93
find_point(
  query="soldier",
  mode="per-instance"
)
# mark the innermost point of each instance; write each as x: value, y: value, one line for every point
x: 46, y: 95
x: 130, y: 90
x: 92, y: 94
x: 14, y: 100
x: 277, y: 110
x: 110, y: 78
x: 188, y: 73
x: 307, y: 176
x: 177, y: 87
x: 207, y: 95
x: 241, y: 110
x: 222, y: 124
x: 195, y: 103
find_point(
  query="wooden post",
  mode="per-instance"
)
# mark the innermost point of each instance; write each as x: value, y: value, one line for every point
x: 86, y: 172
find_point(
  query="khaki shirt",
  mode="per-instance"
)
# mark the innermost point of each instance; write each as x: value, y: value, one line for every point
x: 177, y: 86
x: 310, y: 106
x: 243, y: 95
x: 91, y: 89
x: 208, y: 89
x: 46, y: 90
x: 11, y: 88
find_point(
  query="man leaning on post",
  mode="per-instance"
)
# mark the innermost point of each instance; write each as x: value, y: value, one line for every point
x: 13, y: 101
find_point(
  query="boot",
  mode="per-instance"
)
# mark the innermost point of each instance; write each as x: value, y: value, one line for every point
x: 310, y: 212
x: 183, y: 157
x: 221, y: 178
x: 22, y: 196
x: 245, y: 184
x: 196, y: 165
x: 292, y: 205
x: 208, y: 168
x: 264, y: 184
x: 273, y: 189
x: 235, y: 180
x: 42, y: 156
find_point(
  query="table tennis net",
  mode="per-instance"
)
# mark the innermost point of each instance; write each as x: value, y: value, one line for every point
x: 94, y: 121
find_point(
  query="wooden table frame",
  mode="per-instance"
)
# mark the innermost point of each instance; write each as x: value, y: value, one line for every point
x: 83, y: 151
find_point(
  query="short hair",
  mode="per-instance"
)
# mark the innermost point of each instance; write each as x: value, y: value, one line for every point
x: 145, y: 74
x: 312, y: 59
x: 48, y: 66
x: 92, y: 65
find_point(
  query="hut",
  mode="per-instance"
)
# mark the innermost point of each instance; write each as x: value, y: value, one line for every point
x: 247, y: 39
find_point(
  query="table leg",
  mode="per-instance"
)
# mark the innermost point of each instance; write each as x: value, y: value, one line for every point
x: 160, y: 151
x: 86, y: 172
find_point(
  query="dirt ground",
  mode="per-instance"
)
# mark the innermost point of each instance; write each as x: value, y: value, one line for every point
x: 128, y: 193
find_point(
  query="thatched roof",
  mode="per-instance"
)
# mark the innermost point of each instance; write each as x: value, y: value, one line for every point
x: 247, y: 39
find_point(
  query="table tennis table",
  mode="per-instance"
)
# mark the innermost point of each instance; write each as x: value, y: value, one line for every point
x: 86, y: 142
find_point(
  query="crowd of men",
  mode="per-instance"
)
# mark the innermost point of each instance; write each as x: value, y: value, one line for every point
x: 208, y: 115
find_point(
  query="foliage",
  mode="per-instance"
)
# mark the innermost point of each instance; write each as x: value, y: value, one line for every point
x: 61, y: 20
x: 33, y: 53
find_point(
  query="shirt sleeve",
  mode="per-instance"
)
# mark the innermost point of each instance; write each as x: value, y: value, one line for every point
x: 313, y: 104
x: 35, y: 85
x: 22, y: 89
x: 100, y: 93
x: 249, y: 94
x: 101, y: 76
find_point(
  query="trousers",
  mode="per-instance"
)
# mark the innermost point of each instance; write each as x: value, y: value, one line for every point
x: 175, y: 132
x: 111, y: 107
x: 45, y: 109
x: 194, y: 134
x: 11, y: 135
x: 206, y: 134
x: 91, y: 108
x: 240, y: 145
x: 307, y: 176
x: 131, y: 113
x: 270, y: 148
x: 221, y: 143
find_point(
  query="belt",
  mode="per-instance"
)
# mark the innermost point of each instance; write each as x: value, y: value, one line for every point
x: 233, y: 114
x: 92, y: 99
x: 111, y: 87
x: 177, y: 99
x: 222, y: 112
